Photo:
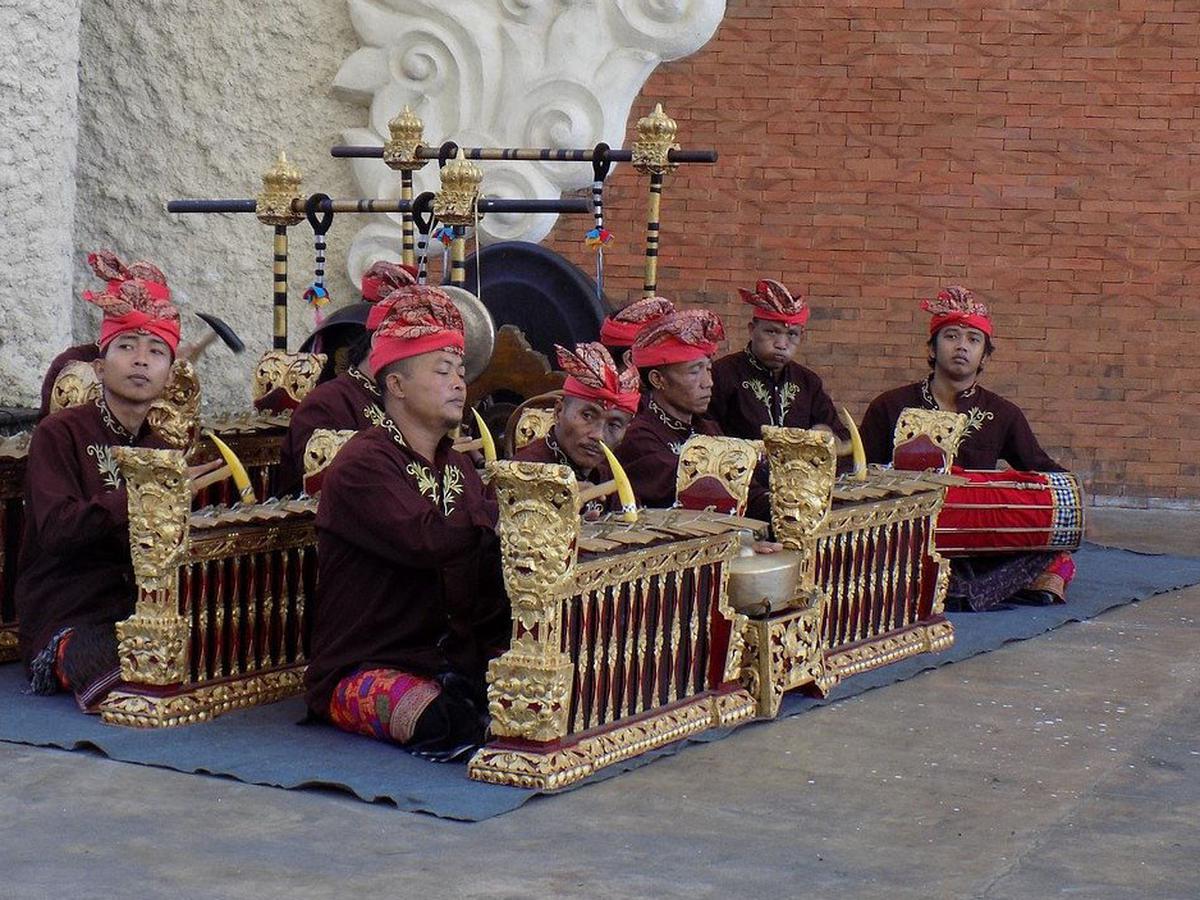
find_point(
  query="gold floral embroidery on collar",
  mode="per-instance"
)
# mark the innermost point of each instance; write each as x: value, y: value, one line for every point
x: 667, y: 419
x: 364, y: 382
x: 110, y: 421
x: 931, y: 401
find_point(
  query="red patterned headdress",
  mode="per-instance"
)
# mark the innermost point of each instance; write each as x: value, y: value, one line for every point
x: 621, y: 328
x: 775, y: 303
x: 136, y: 298
x: 592, y: 375
x: 957, y: 306
x: 384, y: 277
x: 680, y: 337
x: 415, y: 322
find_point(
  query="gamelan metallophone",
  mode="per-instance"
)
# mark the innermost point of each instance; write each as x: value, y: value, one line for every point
x: 871, y: 586
x: 221, y: 596
x: 622, y: 637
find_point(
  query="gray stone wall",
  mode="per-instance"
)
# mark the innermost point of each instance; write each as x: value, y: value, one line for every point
x: 195, y: 100
x: 39, y: 45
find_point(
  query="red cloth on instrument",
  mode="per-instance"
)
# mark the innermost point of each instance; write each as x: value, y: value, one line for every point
x: 957, y: 306
x: 384, y: 277
x: 414, y: 320
x: 136, y: 298
x: 592, y: 375
x: 775, y: 303
x: 75, y: 565
x: 1005, y: 511
x: 621, y: 328
x: 682, y: 336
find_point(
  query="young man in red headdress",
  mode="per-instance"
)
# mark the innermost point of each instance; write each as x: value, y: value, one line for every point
x: 762, y: 384
x: 351, y: 400
x: 75, y: 576
x: 674, y: 356
x: 106, y: 265
x: 960, y: 344
x: 597, y: 405
x: 410, y: 601
x: 618, y: 331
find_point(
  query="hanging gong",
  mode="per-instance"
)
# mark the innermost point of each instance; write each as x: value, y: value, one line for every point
x: 479, y: 330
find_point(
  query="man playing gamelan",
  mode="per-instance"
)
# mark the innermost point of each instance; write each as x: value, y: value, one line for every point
x: 762, y: 384
x: 674, y: 358
x: 960, y: 344
x: 597, y: 406
x: 75, y: 576
x: 410, y: 602
x: 618, y: 331
x: 349, y: 401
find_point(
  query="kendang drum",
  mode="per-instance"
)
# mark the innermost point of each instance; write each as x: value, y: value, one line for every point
x: 1010, y: 512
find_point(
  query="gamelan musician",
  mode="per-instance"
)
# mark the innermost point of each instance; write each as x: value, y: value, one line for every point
x: 597, y: 405
x: 960, y: 344
x: 762, y: 384
x: 674, y: 357
x: 618, y: 331
x: 75, y: 576
x: 410, y: 602
x: 349, y: 401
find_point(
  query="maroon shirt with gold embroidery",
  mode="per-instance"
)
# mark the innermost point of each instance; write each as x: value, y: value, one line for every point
x: 746, y: 396
x: 409, y: 565
x: 349, y: 402
x: 996, y: 429
x: 74, y: 566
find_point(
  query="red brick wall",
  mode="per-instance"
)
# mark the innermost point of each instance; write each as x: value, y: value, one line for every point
x: 1042, y: 153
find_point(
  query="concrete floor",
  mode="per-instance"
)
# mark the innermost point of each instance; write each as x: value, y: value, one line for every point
x: 1065, y: 765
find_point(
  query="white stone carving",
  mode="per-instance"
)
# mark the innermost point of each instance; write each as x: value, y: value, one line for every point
x: 506, y: 73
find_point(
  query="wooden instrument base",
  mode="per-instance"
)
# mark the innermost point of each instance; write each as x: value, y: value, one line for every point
x: 143, y: 708
x: 550, y: 767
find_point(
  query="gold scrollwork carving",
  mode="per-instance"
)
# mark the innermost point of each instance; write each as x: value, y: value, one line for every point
x: 529, y: 699
x: 125, y: 707
x: 75, y: 385
x: 153, y: 641
x: 175, y: 415
x: 803, y: 468
x: 539, y: 535
x: 945, y: 429
x: 8, y: 644
x: 294, y: 373
x: 535, y: 423
x: 729, y: 460
x: 322, y: 447
x: 563, y: 766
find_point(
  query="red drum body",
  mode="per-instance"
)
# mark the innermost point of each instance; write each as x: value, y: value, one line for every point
x: 1010, y: 512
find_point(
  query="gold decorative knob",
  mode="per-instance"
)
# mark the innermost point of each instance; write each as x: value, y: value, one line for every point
x: 655, y: 140
x: 408, y: 132
x: 278, y: 204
